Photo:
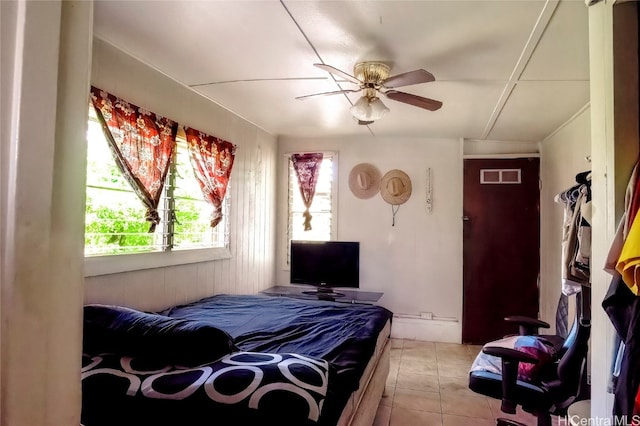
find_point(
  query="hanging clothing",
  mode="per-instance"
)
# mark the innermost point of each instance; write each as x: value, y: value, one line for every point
x: 576, y: 235
x: 629, y: 262
x: 623, y: 309
x: 622, y: 305
x: 634, y: 202
x: 630, y: 210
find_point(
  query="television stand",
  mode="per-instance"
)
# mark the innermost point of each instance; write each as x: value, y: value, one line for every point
x: 336, y: 295
x: 324, y: 293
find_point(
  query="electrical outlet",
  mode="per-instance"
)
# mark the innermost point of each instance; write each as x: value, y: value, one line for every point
x: 426, y: 315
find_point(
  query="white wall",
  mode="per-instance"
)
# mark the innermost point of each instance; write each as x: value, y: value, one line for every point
x: 252, y: 192
x: 46, y: 50
x: 486, y: 147
x: 417, y: 262
x: 563, y: 156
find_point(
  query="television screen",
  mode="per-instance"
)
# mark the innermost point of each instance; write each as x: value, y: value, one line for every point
x: 325, y: 263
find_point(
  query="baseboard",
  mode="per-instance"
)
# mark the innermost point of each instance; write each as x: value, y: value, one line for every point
x: 434, y: 330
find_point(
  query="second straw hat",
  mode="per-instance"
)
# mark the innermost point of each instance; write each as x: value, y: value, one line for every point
x: 395, y: 187
x: 364, y: 180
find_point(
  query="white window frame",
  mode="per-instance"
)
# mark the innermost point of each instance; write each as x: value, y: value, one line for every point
x: 117, y: 263
x: 501, y: 180
x: 284, y: 219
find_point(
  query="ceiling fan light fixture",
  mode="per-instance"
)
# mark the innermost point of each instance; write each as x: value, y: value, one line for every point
x: 378, y: 109
x: 369, y: 109
x: 361, y: 109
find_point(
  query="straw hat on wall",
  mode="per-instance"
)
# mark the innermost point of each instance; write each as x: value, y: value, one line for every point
x: 364, y: 180
x: 395, y: 187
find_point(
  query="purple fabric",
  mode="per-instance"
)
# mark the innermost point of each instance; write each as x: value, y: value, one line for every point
x: 536, y: 346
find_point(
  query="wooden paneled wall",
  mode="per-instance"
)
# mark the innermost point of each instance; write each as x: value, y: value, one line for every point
x: 252, y: 192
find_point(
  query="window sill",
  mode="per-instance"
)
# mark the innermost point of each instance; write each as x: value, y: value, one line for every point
x: 113, y: 264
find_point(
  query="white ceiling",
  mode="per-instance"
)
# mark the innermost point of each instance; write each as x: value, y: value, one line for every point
x: 505, y: 70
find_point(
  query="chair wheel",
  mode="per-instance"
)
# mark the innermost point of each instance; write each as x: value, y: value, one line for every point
x: 508, y: 422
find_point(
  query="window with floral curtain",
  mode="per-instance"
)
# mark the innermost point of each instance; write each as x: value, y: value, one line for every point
x: 307, y: 167
x: 212, y: 160
x: 142, y: 143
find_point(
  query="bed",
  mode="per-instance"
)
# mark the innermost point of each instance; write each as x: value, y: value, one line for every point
x: 235, y: 359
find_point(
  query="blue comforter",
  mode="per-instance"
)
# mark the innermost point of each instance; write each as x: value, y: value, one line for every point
x: 343, y: 334
x: 165, y: 369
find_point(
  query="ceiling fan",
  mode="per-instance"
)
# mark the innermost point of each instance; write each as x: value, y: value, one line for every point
x: 373, y: 79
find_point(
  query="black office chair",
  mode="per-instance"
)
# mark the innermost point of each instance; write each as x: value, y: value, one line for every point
x: 561, y: 383
x: 528, y: 326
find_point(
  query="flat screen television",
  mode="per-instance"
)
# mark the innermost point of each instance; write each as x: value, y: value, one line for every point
x: 325, y: 264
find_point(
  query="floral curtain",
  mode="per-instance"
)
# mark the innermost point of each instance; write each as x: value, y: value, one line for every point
x: 142, y: 144
x: 307, y: 167
x: 212, y: 161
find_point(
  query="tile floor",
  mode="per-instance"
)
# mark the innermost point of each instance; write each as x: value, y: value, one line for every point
x: 428, y: 386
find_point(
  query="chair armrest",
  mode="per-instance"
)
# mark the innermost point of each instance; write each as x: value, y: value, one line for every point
x: 510, y: 360
x: 527, y: 326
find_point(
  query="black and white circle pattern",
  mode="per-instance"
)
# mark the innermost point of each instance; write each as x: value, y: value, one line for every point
x: 257, y: 381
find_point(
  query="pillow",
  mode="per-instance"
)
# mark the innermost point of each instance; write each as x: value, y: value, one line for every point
x: 139, y: 334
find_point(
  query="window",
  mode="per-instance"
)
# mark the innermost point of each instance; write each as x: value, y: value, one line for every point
x: 322, y: 208
x: 115, y: 217
x: 500, y: 176
x: 192, y: 227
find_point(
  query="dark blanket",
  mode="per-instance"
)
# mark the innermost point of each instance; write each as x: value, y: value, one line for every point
x: 343, y: 334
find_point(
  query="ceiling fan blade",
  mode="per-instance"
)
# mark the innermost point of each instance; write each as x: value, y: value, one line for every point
x: 336, y: 71
x: 364, y: 123
x: 414, y: 100
x: 337, y: 92
x: 409, y: 78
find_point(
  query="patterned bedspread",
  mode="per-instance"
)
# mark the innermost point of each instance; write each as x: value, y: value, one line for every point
x: 236, y: 387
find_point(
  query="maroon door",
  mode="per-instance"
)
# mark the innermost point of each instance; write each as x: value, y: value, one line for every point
x: 501, y: 237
